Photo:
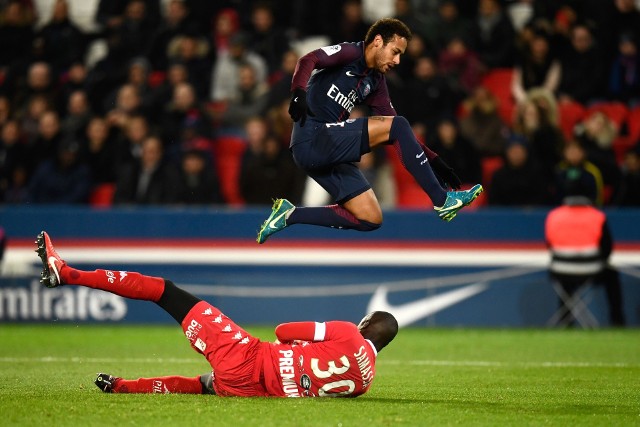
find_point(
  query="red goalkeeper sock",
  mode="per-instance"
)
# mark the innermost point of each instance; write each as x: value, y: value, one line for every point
x: 173, y: 384
x: 124, y: 283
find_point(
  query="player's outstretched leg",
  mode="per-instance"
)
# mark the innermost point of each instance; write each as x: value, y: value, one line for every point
x: 277, y: 221
x: 56, y: 272
x: 128, y: 284
x: 164, y: 385
x: 456, y: 200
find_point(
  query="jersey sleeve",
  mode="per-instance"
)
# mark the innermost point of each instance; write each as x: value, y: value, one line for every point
x: 328, y: 56
x: 303, y: 331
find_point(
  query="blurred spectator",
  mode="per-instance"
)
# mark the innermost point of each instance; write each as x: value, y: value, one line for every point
x: 628, y: 193
x: 111, y: 13
x: 13, y: 155
x: 405, y: 12
x: 75, y: 79
x: 99, y: 152
x: 517, y: 182
x: 128, y: 141
x: 150, y: 180
x: 427, y: 95
x: 350, y: 25
x: 40, y: 82
x: 416, y: 49
x: 624, y: 77
x: 596, y: 135
x: 194, y: 53
x: 63, y: 179
x: 493, y: 35
x: 16, y: 32
x: 133, y: 21
x: 184, y: 111
x: 17, y: 191
x: 537, y: 67
x: 575, y: 169
x: 481, y: 123
x: 268, y: 168
x: 461, y: 67
x: 309, y: 19
x: 225, y: 25
x: 377, y: 9
x: 280, y: 122
x: 30, y: 116
x: 618, y: 18
x: 176, y: 21
x: 63, y: 41
x: 47, y: 142
x: 77, y: 115
x: 544, y: 138
x: 138, y: 78
x: 520, y: 12
x: 248, y: 99
x: 265, y: 38
x: 128, y: 104
x: 446, y: 25
x: 107, y: 74
x: 162, y: 94
x: 199, y: 183
x: 225, y: 78
x: 456, y: 151
x: 583, y: 73
x: 280, y: 81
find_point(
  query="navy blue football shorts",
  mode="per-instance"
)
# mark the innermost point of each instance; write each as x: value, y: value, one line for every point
x: 328, y: 153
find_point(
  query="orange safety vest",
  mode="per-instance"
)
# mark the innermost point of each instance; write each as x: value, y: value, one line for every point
x: 573, y: 234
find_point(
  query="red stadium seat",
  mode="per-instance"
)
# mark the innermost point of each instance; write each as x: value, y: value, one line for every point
x: 489, y: 166
x: 570, y: 113
x: 621, y: 145
x: 633, y: 124
x: 228, y: 152
x: 498, y: 82
x: 102, y: 195
x: 156, y: 78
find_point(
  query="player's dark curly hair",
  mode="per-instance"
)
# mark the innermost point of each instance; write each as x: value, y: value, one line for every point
x: 387, y: 28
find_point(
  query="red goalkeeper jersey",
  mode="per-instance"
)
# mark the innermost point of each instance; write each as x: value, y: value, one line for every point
x: 319, y: 359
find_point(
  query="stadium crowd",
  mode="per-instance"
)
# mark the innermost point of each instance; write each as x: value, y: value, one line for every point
x: 185, y: 101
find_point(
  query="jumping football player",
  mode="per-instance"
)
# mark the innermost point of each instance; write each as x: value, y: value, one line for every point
x: 309, y: 359
x: 327, y: 144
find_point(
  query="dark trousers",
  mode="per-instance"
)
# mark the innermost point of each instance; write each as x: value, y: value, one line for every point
x: 609, y: 278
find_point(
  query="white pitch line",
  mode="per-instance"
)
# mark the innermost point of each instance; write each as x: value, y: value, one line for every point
x: 446, y: 363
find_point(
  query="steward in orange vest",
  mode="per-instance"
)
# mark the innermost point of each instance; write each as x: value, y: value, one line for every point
x: 580, y: 242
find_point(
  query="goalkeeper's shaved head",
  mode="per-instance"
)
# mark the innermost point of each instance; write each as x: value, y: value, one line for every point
x: 379, y: 327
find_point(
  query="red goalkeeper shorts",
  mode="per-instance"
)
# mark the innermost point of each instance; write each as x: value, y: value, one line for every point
x: 234, y: 355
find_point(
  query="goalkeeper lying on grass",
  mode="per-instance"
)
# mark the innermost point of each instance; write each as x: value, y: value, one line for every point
x: 309, y: 359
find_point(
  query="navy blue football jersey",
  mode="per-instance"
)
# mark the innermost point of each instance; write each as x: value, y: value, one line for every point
x: 342, y: 81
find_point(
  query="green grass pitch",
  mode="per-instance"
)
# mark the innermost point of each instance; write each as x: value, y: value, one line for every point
x: 426, y: 377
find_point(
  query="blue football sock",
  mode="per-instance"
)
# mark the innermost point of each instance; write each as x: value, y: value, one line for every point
x: 415, y: 160
x: 334, y: 216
